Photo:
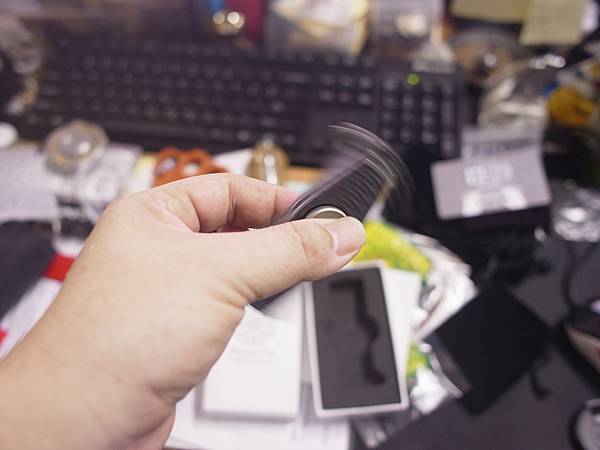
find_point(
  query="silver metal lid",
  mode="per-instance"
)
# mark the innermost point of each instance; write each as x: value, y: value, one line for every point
x: 74, y: 145
x: 326, y: 212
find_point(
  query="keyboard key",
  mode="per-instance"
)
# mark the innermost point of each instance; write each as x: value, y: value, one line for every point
x: 429, y: 121
x: 33, y: 119
x: 189, y: 115
x: 271, y: 91
x: 347, y: 82
x: 349, y: 62
x: 96, y: 106
x: 181, y: 83
x: 227, y: 119
x: 145, y: 95
x: 78, y: 105
x: 345, y: 98
x: 164, y: 97
x: 365, y: 82
x: 75, y: 75
x: 246, y: 137
x: 447, y: 114
x: 387, y: 117
x: 57, y: 120
x: 293, y: 95
x: 266, y: 75
x: 365, y: 99
x: 388, y: 134
x: 326, y: 96
x: 447, y: 90
x: 391, y: 103
x: 299, y: 78
x: 253, y: 89
x: 448, y: 146
x: 245, y: 120
x: 113, y: 107
x: 318, y: 145
x: 329, y: 80
x: 170, y: 114
x: 53, y: 75
x: 51, y: 90
x: 235, y: 87
x: 218, y: 86
x: 331, y: 59
x: 408, y: 118
x: 208, y: 118
x: 390, y: 86
x: 151, y: 112
x: 45, y: 105
x: 407, y: 136
x: 268, y: 122
x: 408, y: 102
x: 428, y: 104
x: 199, y: 100
x: 367, y: 62
x: 289, y: 141
x: 109, y: 93
x: 276, y: 106
x: 428, y: 87
x: 132, y: 110
x: 216, y: 134
x: 429, y: 137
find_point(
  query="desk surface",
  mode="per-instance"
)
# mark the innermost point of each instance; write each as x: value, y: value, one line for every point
x: 519, y: 419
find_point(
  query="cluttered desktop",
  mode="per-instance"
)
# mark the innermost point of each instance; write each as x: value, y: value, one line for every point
x: 464, y: 135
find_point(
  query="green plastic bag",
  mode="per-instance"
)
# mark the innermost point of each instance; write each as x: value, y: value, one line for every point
x: 386, y: 243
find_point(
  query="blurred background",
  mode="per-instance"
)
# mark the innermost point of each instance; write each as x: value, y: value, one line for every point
x: 470, y: 319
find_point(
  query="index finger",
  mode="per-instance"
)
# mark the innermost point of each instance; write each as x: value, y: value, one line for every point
x: 209, y: 202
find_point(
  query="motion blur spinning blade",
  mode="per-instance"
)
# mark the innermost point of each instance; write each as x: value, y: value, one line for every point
x: 361, y: 167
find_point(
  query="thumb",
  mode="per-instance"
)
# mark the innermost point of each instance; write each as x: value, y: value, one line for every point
x: 269, y: 260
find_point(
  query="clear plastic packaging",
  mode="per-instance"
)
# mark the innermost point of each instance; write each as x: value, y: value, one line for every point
x: 576, y: 212
x: 401, y: 27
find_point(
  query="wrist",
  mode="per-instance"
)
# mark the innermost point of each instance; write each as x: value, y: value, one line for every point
x: 41, y: 404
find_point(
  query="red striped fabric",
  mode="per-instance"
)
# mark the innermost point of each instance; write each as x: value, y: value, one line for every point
x: 58, y: 267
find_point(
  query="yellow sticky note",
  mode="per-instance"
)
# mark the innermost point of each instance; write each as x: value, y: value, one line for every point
x: 553, y: 22
x: 504, y: 11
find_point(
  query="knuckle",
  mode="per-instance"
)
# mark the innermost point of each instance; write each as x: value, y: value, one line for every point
x: 116, y: 207
x: 226, y: 179
x: 313, y: 242
x: 120, y: 208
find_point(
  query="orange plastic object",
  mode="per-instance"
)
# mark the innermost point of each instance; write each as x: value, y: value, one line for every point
x: 569, y: 108
x: 174, y: 164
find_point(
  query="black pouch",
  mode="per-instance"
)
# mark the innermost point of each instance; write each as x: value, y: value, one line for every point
x: 493, y: 341
x: 26, y: 251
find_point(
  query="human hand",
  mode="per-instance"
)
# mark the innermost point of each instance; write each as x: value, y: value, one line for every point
x: 149, y: 306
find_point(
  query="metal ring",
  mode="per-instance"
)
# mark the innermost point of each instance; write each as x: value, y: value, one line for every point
x: 326, y: 212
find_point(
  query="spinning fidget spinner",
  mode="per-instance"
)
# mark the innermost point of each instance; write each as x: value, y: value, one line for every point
x: 360, y: 168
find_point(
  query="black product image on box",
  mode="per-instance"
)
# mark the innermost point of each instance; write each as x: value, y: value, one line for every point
x: 353, y: 341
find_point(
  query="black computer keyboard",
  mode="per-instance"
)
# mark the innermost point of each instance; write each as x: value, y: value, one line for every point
x: 158, y: 93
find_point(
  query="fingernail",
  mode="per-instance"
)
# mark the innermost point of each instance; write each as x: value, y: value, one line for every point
x: 348, y: 235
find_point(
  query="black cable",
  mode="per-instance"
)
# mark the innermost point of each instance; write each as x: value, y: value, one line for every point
x: 574, y: 264
x: 540, y: 390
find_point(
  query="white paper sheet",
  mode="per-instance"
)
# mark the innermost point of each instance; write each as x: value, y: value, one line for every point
x: 24, y: 186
